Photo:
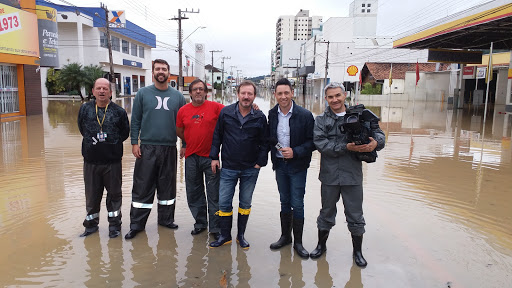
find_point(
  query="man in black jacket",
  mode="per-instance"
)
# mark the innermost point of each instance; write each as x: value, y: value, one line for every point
x: 291, y: 139
x: 104, y: 126
x: 242, y: 132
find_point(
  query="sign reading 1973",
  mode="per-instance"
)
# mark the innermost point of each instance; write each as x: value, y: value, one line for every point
x: 9, y: 23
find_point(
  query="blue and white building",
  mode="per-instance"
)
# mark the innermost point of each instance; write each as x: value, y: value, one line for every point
x: 82, y: 39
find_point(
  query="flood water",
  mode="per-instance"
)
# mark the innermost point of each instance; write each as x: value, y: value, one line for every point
x: 438, y: 207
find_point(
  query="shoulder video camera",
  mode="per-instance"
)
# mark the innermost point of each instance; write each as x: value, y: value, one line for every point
x: 358, y: 124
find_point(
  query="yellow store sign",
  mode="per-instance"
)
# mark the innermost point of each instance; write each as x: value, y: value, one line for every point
x: 18, y: 32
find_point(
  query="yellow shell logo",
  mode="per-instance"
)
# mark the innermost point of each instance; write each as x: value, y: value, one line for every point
x: 352, y: 70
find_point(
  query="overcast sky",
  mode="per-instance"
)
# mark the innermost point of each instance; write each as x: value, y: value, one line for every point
x: 246, y: 30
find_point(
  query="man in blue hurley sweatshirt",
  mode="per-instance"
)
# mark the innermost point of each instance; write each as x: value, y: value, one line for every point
x: 154, y: 122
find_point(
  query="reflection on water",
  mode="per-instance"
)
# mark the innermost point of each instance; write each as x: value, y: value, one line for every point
x: 437, y: 205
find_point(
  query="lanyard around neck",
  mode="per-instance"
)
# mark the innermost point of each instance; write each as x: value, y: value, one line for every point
x: 103, y: 120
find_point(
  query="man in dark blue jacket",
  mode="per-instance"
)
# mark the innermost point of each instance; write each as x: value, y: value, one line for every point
x: 291, y: 139
x: 242, y: 132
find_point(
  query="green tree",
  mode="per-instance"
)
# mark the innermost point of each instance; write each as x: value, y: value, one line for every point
x: 368, y: 88
x: 52, y: 83
x: 72, y: 77
x: 91, y: 73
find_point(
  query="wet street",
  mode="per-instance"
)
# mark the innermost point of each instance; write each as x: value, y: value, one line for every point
x: 438, y: 208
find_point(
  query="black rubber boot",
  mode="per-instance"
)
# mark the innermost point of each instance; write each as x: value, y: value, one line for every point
x: 286, y: 231
x: 357, y: 242
x: 298, y: 227
x: 321, y: 247
x: 242, y: 224
x: 225, y: 223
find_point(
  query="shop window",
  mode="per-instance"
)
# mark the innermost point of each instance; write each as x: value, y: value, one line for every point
x: 9, y: 97
x: 142, y: 81
x: 115, y: 43
x: 117, y: 78
x: 135, y: 83
x: 126, y: 46
x: 103, y: 40
x: 141, y: 52
x: 134, y: 49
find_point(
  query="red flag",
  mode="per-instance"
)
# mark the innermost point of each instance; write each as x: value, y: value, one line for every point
x: 360, y: 80
x: 417, y: 73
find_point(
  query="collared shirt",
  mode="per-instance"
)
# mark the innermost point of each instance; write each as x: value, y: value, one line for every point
x: 241, y: 118
x: 283, y: 129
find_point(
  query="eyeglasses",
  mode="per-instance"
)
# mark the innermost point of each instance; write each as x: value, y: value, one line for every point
x: 201, y: 89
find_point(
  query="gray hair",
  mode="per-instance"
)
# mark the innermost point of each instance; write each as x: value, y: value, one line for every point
x: 333, y: 85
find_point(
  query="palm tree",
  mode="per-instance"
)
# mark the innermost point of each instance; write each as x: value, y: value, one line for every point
x: 72, y: 77
x: 91, y: 73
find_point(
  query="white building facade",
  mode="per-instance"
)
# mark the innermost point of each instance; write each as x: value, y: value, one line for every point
x: 82, y: 39
x: 289, y: 31
x: 339, y: 50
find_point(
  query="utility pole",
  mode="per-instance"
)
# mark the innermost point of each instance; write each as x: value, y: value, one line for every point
x: 326, y: 61
x: 222, y: 84
x: 213, y: 51
x: 231, y: 81
x: 237, y: 79
x: 109, y: 45
x: 314, y: 52
x: 181, y: 16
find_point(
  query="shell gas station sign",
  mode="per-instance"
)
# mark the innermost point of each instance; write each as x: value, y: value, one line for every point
x: 352, y: 70
x: 348, y: 72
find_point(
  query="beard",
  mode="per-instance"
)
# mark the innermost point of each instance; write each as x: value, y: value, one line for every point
x: 245, y: 103
x: 156, y: 76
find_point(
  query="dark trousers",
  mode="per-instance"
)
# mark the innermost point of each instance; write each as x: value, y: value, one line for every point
x: 156, y: 169
x: 98, y: 177
x: 198, y: 170
x: 292, y: 187
x: 352, y: 196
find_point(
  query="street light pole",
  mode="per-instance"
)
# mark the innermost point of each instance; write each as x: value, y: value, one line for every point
x: 297, y: 69
x: 200, y: 27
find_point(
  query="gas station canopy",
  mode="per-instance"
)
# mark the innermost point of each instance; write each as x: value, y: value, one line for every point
x: 475, y: 31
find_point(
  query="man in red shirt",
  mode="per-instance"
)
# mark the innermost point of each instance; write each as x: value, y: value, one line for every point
x: 195, y: 124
